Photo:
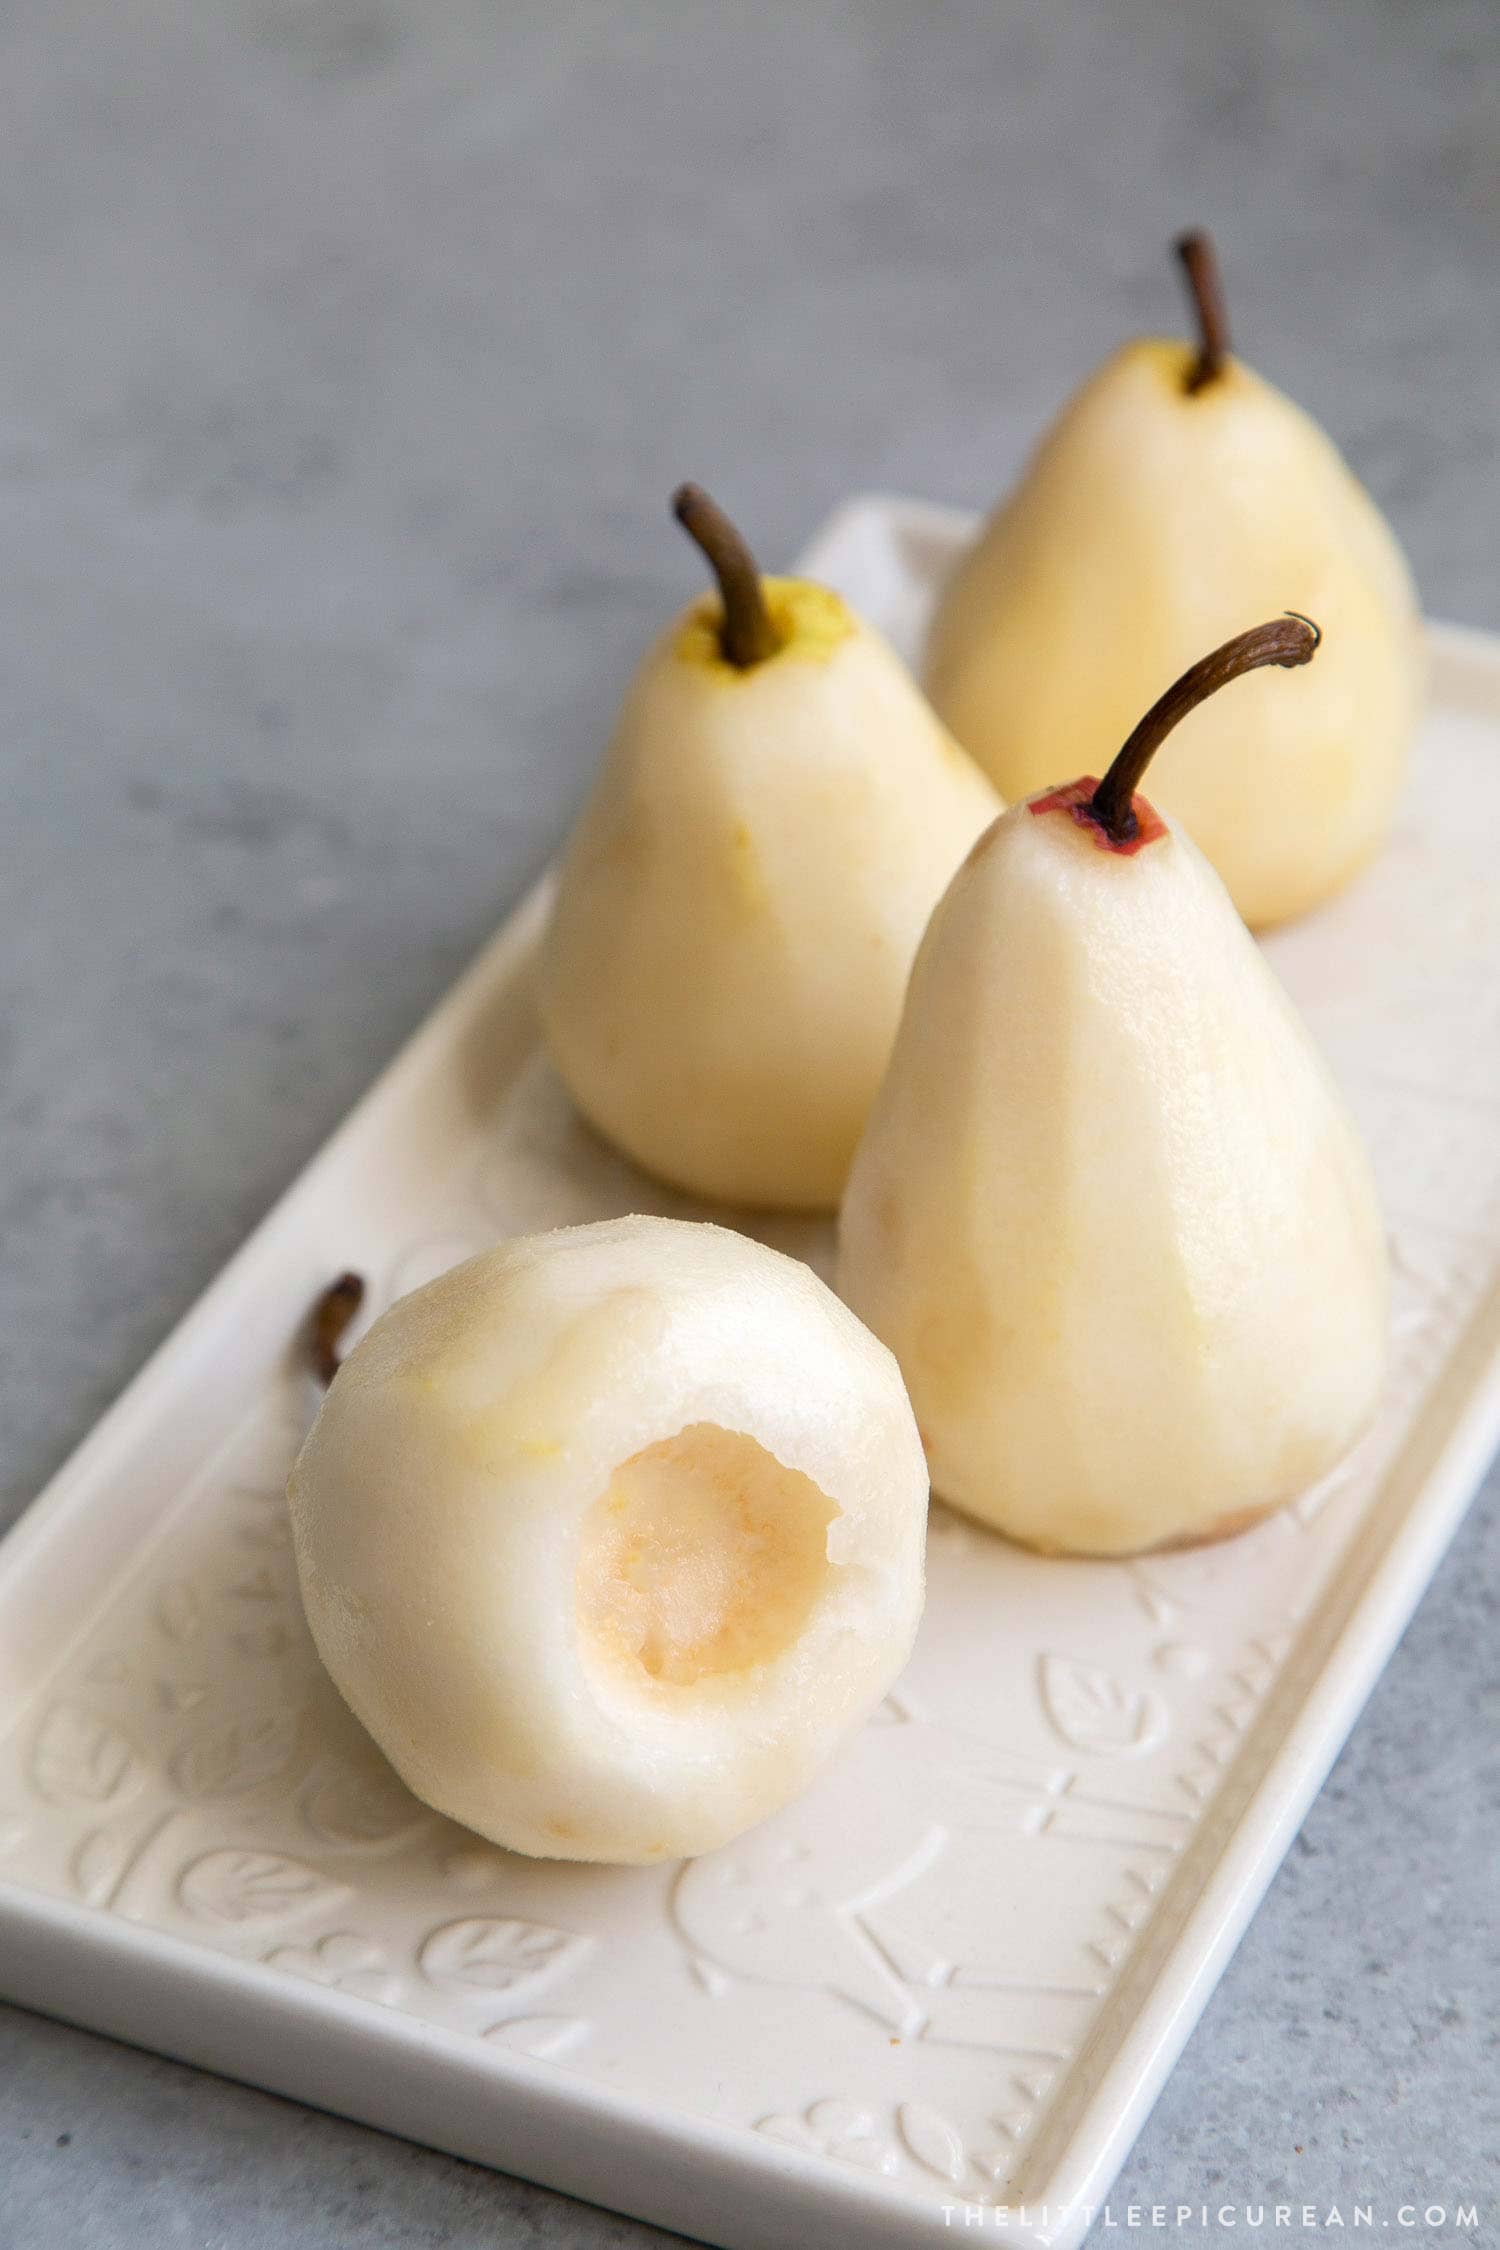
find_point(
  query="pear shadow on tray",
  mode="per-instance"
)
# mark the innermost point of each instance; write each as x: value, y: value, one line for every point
x: 493, y: 1045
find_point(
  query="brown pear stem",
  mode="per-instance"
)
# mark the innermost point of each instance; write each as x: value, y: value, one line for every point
x: 1201, y: 264
x: 1289, y: 641
x: 747, y: 635
x: 328, y: 1322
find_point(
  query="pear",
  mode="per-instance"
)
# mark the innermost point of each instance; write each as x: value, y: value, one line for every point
x: 1109, y: 1212
x: 1177, y: 494
x: 739, y: 906
x: 609, y: 1536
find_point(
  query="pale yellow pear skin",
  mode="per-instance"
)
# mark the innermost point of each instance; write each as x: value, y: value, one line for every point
x: 1150, y: 523
x: 1110, y: 1212
x: 739, y: 906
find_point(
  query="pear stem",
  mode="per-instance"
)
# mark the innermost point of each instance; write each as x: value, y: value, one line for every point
x: 327, y: 1322
x: 747, y: 636
x: 1288, y: 641
x: 1201, y: 264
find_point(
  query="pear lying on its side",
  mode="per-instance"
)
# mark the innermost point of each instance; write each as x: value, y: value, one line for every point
x: 1109, y: 1212
x: 610, y: 1536
x: 740, y: 903
x: 1176, y: 494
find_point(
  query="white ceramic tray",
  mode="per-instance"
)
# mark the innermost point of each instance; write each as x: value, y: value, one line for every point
x: 958, y: 1971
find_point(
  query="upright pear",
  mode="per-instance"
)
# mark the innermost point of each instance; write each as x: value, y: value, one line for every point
x: 739, y: 906
x: 1109, y: 1212
x: 1176, y: 494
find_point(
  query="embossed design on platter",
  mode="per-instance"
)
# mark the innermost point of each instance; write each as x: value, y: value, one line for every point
x: 237, y: 1886
x: 781, y: 1909
x: 840, y: 2129
x: 343, y: 1959
x: 896, y: 1711
x: 237, y: 1756
x: 266, y: 1525
x: 79, y: 1758
x: 917, y: 2138
x: 824, y: 1909
x: 491, y: 1953
x: 1093, y: 1711
x: 179, y: 1611
x: 1034, y: 2085
x: 1182, y: 1660
x: 99, y: 1863
x: 1225, y: 1581
x: 936, y: 2145
x: 262, y: 1586
x: 547, y: 2038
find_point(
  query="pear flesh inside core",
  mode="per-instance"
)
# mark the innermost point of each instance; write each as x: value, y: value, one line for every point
x: 1151, y: 525
x: 1110, y: 1213
x: 740, y: 903
x: 704, y: 1557
x: 610, y: 1536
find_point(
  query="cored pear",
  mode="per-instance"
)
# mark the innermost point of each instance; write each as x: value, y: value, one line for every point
x: 610, y: 1536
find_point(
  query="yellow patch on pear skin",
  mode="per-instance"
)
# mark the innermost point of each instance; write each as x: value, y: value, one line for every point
x: 746, y: 878
x: 1172, y: 359
x: 810, y: 622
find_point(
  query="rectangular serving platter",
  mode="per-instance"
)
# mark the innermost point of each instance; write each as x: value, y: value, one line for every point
x: 960, y: 1969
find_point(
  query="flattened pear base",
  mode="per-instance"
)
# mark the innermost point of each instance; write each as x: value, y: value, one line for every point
x: 1230, y: 1526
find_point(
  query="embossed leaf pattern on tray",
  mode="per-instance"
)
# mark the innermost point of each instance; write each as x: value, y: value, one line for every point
x: 844, y: 2130
x: 80, y: 1759
x: 179, y: 1613
x: 546, y: 2037
x: 98, y: 1863
x: 488, y: 1954
x: 344, y: 1960
x: 1095, y: 1712
x: 251, y: 1886
x: 227, y: 1760
x: 932, y: 2140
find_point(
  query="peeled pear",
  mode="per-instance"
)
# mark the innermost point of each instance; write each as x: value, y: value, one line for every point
x: 739, y: 906
x: 1110, y: 1213
x: 1177, y: 494
x: 609, y: 1536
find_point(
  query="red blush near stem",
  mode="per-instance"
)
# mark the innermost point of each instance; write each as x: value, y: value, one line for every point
x: 1077, y: 799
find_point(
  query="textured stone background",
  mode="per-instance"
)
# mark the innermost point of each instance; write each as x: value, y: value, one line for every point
x: 351, y: 349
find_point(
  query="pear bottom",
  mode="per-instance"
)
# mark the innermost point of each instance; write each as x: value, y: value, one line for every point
x: 1232, y: 1525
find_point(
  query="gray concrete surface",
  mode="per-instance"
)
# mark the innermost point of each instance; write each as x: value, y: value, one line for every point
x: 350, y: 350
